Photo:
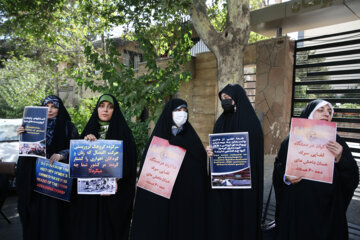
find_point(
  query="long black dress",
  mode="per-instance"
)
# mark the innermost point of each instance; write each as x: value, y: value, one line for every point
x: 236, y: 214
x: 108, y: 217
x: 43, y: 217
x: 183, y: 216
x: 314, y: 210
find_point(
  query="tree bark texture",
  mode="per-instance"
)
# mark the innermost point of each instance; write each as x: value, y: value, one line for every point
x: 228, y: 46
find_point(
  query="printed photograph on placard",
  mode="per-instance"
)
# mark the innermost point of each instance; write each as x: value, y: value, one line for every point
x: 33, y: 140
x: 93, y: 186
x: 308, y: 156
x: 230, y: 164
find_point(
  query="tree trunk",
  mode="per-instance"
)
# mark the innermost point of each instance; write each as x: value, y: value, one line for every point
x: 56, y: 86
x: 228, y: 45
x: 229, y: 70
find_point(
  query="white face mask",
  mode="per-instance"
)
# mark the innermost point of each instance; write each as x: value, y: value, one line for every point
x: 179, y: 118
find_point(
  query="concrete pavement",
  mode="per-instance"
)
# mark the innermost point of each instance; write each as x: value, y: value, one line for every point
x: 10, y: 231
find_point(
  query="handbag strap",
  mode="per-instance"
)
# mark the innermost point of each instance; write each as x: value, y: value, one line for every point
x: 267, y: 205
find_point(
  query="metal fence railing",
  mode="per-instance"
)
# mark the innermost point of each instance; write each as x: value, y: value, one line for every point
x: 328, y: 67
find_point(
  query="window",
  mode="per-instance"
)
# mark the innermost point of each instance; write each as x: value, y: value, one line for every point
x: 132, y: 59
x: 250, y: 82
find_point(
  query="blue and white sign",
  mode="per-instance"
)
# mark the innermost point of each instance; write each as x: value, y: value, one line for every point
x: 230, y: 164
x: 96, y: 159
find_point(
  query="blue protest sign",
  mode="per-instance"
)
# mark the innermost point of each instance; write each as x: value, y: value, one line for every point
x: 53, y: 180
x: 33, y: 139
x: 91, y: 159
x: 230, y: 165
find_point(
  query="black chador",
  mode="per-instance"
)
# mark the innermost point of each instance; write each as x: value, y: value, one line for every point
x: 43, y: 217
x: 183, y: 216
x: 236, y: 213
x: 314, y: 210
x: 108, y: 217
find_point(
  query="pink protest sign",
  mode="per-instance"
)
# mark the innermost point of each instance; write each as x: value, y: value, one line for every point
x: 308, y: 156
x: 161, y: 167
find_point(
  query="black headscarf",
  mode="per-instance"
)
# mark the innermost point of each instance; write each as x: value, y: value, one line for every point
x: 313, y: 105
x: 56, y: 134
x: 245, y: 204
x: 108, y: 217
x: 165, y: 122
x: 183, y: 216
x: 243, y: 118
x: 118, y: 128
x: 311, y: 209
x: 182, y: 139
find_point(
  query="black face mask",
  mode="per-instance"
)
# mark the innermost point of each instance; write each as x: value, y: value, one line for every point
x: 227, y: 105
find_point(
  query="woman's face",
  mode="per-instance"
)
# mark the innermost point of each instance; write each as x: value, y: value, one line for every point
x: 53, y: 111
x: 225, y: 96
x: 179, y: 110
x: 323, y: 113
x: 105, y: 111
x: 180, y: 116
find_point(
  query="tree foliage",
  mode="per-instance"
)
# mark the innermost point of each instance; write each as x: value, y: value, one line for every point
x: 81, y: 113
x: 61, y: 31
x: 64, y: 32
x: 23, y: 82
x: 150, y: 90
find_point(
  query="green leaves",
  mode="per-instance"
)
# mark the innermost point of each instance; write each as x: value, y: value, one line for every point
x: 81, y: 113
x: 63, y: 32
x: 23, y: 82
x: 139, y: 92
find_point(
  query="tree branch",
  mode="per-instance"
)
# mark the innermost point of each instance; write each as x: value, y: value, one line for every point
x: 202, y: 24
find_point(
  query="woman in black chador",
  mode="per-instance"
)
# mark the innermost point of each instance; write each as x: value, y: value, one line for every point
x: 183, y: 216
x: 43, y: 217
x: 313, y: 210
x: 108, y: 217
x: 236, y: 213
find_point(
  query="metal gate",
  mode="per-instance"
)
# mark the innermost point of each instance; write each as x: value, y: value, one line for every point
x: 328, y: 67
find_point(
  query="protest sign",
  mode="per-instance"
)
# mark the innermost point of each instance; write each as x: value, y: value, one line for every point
x: 308, y: 156
x: 33, y: 140
x: 161, y: 167
x: 230, y: 164
x: 96, y: 159
x: 53, y: 179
